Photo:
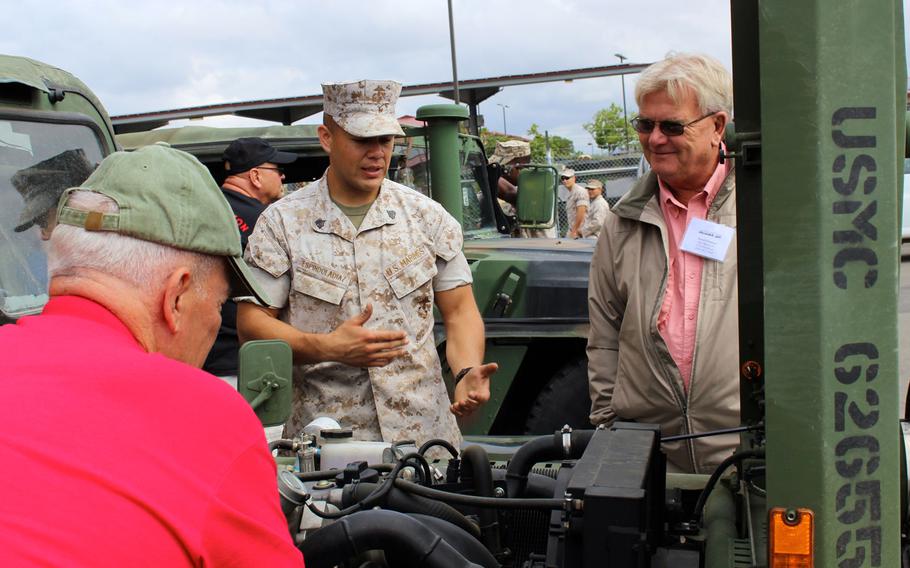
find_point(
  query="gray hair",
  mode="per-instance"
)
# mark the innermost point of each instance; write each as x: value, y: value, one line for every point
x: 709, y: 80
x: 72, y: 251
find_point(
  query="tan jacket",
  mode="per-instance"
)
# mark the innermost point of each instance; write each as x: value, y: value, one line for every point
x: 632, y: 375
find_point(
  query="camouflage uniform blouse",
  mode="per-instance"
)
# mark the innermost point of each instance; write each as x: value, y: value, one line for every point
x: 335, y: 272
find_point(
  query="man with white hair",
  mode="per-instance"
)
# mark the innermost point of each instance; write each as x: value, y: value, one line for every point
x: 117, y: 449
x: 358, y: 262
x: 662, y: 294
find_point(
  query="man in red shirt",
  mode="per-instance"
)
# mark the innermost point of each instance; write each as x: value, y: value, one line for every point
x: 116, y: 449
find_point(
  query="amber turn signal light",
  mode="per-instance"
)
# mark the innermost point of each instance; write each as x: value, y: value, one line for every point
x: 790, y: 538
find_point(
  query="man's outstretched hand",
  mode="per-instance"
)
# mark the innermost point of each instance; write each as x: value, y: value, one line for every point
x: 473, y: 390
x: 354, y: 345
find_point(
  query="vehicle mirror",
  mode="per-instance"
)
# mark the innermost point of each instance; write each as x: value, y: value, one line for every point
x: 536, y: 202
x: 264, y: 379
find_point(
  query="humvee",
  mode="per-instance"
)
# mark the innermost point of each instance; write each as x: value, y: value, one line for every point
x: 53, y: 131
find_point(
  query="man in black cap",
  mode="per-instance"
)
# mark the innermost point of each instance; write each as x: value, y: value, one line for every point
x: 254, y: 180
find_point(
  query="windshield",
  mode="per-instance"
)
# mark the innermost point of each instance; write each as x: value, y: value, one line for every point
x: 38, y: 160
x: 411, y: 166
x: 478, y: 207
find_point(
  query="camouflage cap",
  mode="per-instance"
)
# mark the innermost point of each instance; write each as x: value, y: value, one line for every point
x: 594, y: 184
x: 165, y: 196
x: 363, y: 108
x: 567, y: 173
x: 509, y: 150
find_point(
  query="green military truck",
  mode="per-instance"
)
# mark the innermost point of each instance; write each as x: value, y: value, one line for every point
x: 52, y: 127
x: 532, y: 293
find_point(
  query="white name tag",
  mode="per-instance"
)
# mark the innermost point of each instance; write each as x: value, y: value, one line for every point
x: 707, y: 239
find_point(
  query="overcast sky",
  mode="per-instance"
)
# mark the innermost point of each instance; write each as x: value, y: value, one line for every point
x: 144, y: 56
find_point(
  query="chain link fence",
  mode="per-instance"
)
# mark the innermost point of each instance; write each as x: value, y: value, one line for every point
x: 617, y: 173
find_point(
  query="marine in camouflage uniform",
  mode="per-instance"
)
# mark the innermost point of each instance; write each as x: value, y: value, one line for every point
x: 335, y: 271
x: 576, y: 203
x: 397, y: 255
x: 511, y: 155
x: 597, y: 211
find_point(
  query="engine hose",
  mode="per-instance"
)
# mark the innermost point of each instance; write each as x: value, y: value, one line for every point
x: 494, y: 502
x: 281, y: 445
x: 332, y: 473
x: 461, y: 541
x: 715, y: 477
x: 476, y: 462
x: 545, y: 448
x: 398, y: 500
x: 376, y: 496
x: 539, y: 485
x: 404, y: 537
x: 438, y: 442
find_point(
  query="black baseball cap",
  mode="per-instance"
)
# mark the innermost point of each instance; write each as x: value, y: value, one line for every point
x: 245, y: 154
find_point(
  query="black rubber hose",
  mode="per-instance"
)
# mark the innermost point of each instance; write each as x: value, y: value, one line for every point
x: 476, y: 462
x: 376, y: 529
x: 461, y: 541
x: 538, y: 485
x: 715, y: 477
x: 544, y: 448
x: 438, y: 442
x: 376, y: 496
x: 331, y: 473
x: 474, y: 501
x: 398, y: 500
x: 281, y: 445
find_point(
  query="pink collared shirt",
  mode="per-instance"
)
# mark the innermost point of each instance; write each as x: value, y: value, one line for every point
x: 679, y: 312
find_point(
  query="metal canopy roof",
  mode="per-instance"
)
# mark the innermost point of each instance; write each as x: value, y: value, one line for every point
x: 291, y: 109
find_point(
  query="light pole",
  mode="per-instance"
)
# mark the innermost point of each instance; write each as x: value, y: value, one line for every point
x: 454, y: 63
x: 625, y: 116
x: 504, y: 107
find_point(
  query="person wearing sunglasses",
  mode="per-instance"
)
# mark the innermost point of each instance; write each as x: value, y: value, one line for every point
x: 662, y: 294
x: 254, y: 180
x: 576, y: 203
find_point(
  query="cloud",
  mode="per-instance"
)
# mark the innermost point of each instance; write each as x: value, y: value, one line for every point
x: 157, y: 55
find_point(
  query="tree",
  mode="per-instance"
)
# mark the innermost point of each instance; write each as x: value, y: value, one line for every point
x: 607, y: 129
x: 559, y: 147
x: 489, y: 140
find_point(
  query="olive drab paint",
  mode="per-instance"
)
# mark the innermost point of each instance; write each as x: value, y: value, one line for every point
x: 829, y: 173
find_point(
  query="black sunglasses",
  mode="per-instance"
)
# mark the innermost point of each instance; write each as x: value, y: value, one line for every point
x: 279, y: 170
x: 667, y: 127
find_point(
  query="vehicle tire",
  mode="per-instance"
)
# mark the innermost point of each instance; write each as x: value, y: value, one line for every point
x: 563, y: 400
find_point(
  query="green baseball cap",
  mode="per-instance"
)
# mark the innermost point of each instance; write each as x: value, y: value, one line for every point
x: 165, y: 196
